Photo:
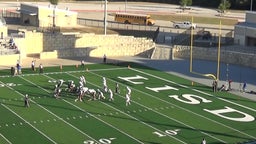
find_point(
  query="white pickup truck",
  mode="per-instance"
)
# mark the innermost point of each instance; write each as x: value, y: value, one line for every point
x: 184, y: 25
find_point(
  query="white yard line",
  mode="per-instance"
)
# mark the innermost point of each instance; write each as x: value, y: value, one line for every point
x: 167, y: 101
x: 97, y: 117
x: 5, y: 138
x: 144, y: 123
x: 168, y: 116
x: 83, y: 111
x: 29, y: 124
x: 187, y: 109
x: 254, y: 110
x: 57, y: 115
x: 33, y: 74
x: 104, y: 122
x: 21, y: 117
x: 134, y: 117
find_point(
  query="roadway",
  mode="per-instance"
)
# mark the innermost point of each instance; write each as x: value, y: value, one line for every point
x: 95, y: 10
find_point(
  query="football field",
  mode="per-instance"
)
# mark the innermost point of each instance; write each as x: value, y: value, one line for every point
x: 164, y: 109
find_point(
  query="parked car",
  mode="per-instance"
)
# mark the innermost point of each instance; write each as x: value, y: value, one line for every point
x: 185, y: 24
x: 206, y: 35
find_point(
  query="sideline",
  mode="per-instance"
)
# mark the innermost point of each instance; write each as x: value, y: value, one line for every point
x: 77, y: 71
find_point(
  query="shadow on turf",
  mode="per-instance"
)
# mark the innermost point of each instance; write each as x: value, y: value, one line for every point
x: 223, y: 94
x: 236, y: 98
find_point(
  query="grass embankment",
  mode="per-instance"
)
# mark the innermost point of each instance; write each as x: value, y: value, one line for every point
x: 196, y: 19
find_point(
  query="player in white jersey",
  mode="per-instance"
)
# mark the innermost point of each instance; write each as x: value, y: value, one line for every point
x: 92, y: 93
x: 81, y: 84
x: 105, y: 87
x: 60, y: 82
x: 129, y: 91
x: 203, y: 141
x: 128, y: 99
x: 110, y: 95
x: 82, y: 79
x: 85, y: 89
x: 100, y: 94
x: 82, y: 92
x: 57, y: 91
x: 104, y: 80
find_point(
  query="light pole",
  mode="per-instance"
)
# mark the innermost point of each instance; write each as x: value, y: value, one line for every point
x: 53, y: 16
x: 105, y: 18
x: 218, y: 55
x: 125, y: 5
x: 251, y: 5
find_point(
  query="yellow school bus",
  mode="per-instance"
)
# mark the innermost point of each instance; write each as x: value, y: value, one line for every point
x: 129, y: 18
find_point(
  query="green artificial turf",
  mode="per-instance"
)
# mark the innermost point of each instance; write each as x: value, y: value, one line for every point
x: 153, y: 117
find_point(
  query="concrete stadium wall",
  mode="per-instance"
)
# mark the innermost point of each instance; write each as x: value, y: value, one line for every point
x: 63, y: 45
x: 211, y: 54
x: 31, y: 44
x: 9, y: 60
x: 73, y: 52
x: 3, y: 32
x: 77, y: 45
x: 42, y: 16
x: 48, y: 55
x: 97, y: 45
x: 63, y: 18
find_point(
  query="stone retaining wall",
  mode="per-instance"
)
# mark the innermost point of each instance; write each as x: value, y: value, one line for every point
x: 3, y: 32
x: 63, y: 45
x: 98, y: 45
x: 231, y: 57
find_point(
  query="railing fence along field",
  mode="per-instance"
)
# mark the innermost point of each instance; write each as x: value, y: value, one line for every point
x: 116, y: 25
x: 13, y: 16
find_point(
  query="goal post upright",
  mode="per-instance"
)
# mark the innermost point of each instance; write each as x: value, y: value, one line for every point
x: 191, y: 47
x: 218, y: 59
x: 215, y: 77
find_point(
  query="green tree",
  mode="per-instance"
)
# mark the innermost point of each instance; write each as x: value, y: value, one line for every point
x: 54, y: 2
x: 224, y: 5
x: 185, y: 3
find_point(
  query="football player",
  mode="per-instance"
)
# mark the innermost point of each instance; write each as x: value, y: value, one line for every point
x: 128, y: 99
x: 105, y: 87
x: 110, y: 95
x: 92, y: 93
x: 100, y: 94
